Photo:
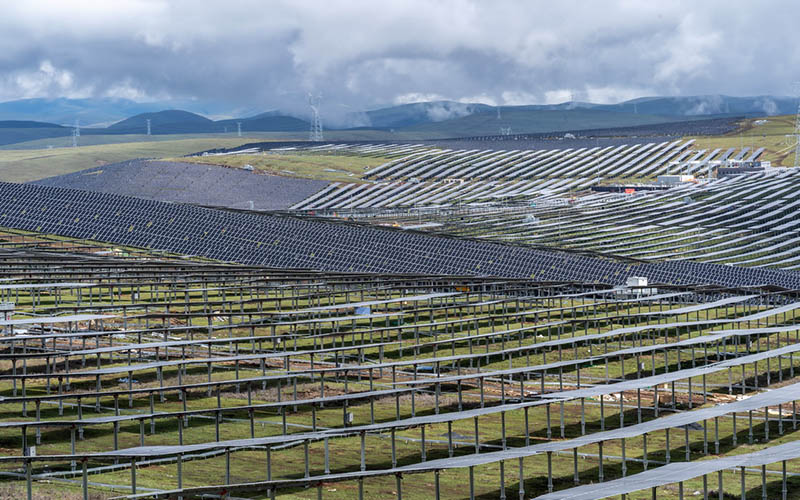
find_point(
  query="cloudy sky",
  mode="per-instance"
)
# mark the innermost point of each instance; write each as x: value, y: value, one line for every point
x: 366, y: 54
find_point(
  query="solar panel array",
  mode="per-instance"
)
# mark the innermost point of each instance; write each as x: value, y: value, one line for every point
x: 746, y: 220
x: 184, y: 378
x: 199, y: 184
x: 285, y: 242
x: 447, y: 177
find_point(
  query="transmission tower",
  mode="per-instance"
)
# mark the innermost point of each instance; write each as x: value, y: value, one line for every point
x: 239, y: 128
x: 315, y: 135
x: 148, y: 126
x: 77, y: 127
x: 75, y: 137
x: 797, y: 127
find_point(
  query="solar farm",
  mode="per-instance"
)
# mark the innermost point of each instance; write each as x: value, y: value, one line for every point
x: 429, y: 321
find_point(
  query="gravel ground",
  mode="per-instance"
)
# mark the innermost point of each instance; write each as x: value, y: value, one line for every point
x: 190, y: 183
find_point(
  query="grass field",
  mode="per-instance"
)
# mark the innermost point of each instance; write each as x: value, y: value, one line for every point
x: 32, y: 164
x: 42, y: 158
x: 771, y: 135
x: 329, y: 167
x: 97, y: 140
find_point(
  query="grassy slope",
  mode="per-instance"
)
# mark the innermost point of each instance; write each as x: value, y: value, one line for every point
x: 345, y: 168
x: 52, y: 135
x: 534, y: 121
x: 331, y: 135
x: 28, y: 165
x: 96, y: 140
x: 520, y: 120
x: 33, y: 160
x: 770, y: 135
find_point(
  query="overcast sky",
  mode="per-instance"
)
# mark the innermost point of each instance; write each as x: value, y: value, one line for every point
x: 367, y: 54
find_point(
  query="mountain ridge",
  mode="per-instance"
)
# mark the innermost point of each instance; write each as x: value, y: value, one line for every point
x: 440, y: 119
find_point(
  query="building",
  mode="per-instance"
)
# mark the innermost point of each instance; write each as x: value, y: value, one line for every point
x: 675, y: 179
x: 741, y: 167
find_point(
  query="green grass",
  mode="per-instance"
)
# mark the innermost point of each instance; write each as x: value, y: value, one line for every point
x: 32, y: 164
x: 330, y: 167
x: 97, y: 140
x: 770, y: 135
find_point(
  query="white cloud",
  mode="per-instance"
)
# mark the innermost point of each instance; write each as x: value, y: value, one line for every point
x: 46, y: 80
x: 478, y: 99
x: 689, y: 55
x: 413, y: 97
x: 365, y: 54
x: 612, y: 95
x: 126, y: 89
x: 557, y: 96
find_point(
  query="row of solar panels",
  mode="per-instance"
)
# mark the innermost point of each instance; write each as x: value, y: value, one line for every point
x: 285, y: 242
x: 745, y: 220
x: 641, y: 160
x: 447, y: 177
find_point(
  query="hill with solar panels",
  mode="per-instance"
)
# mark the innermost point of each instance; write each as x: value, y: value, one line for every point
x: 594, y: 315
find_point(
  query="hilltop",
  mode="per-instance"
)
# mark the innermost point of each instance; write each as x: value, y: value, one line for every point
x: 413, y: 121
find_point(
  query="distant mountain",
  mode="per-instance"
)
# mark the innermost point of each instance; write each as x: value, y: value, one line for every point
x: 184, y: 122
x: 27, y: 124
x: 98, y: 111
x: 66, y: 111
x: 406, y: 115
x: 15, y: 131
x: 271, y: 121
x: 32, y: 119
x: 456, y: 119
x: 529, y: 120
x: 417, y: 114
x: 705, y: 105
x: 171, y: 121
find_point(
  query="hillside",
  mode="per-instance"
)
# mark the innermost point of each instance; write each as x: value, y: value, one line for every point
x: 32, y: 164
x: 27, y: 124
x: 193, y: 183
x: 171, y: 121
x: 707, y: 105
x: 16, y: 131
x: 95, y: 112
x: 266, y: 122
x: 407, y: 115
x: 536, y: 120
x: 184, y: 122
x: 415, y: 121
x: 411, y: 115
x: 774, y: 134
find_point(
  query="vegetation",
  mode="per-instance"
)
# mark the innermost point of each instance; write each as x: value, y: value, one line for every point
x: 32, y: 164
x: 775, y: 133
x: 329, y: 167
x: 528, y: 121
